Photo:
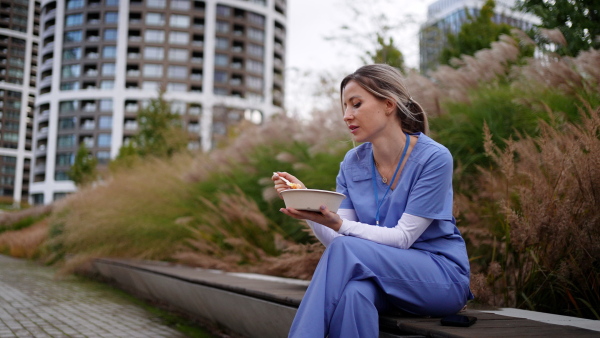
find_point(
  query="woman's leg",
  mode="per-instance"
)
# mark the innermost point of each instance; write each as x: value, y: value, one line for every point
x: 414, y: 281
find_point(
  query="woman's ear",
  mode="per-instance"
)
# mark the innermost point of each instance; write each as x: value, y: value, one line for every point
x: 390, y: 107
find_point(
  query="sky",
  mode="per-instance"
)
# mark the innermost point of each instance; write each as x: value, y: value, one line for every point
x: 310, y: 54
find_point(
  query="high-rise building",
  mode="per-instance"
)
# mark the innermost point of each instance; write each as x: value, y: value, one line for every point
x: 447, y: 16
x: 220, y: 61
x: 19, y: 28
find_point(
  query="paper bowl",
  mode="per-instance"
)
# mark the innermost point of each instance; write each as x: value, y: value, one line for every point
x: 312, y: 199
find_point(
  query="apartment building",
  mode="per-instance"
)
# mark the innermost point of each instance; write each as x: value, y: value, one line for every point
x: 100, y: 61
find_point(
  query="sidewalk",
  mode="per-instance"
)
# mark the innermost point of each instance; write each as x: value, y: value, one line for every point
x: 34, y: 304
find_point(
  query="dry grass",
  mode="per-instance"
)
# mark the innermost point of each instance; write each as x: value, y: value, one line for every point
x: 24, y: 243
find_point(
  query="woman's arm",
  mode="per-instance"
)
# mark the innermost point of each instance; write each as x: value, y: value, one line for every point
x: 324, y: 234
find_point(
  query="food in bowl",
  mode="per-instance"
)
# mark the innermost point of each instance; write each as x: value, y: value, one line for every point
x: 312, y: 199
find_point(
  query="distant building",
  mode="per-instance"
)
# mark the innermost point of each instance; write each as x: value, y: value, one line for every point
x: 447, y: 16
x: 19, y: 27
x: 220, y: 61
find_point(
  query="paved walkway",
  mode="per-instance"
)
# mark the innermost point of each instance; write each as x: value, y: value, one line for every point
x: 34, y: 304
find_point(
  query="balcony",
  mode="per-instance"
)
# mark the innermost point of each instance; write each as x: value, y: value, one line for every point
x: 130, y: 125
x: 88, y: 125
x: 196, y: 77
x: 134, y: 55
x: 132, y: 108
x: 91, y: 72
x: 133, y: 73
x: 90, y: 108
x: 92, y: 55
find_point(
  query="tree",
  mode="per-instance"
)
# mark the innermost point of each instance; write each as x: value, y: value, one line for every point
x: 386, y: 52
x: 474, y: 35
x: 578, y: 20
x: 83, y: 171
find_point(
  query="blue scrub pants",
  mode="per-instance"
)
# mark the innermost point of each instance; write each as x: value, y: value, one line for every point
x: 357, y: 278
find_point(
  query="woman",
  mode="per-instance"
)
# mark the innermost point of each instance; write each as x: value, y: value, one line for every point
x: 393, y: 243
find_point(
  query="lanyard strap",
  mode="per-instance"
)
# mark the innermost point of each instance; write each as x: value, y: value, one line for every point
x: 374, y: 180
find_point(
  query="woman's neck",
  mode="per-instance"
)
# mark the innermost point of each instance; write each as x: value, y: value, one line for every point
x: 386, y: 150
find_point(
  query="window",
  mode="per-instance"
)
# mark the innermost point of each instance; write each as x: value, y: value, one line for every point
x: 154, y: 53
x: 222, y: 43
x: 65, y: 159
x: 182, y: 21
x: 108, y: 69
x: 69, y: 86
x: 73, y: 20
x: 254, y: 66
x: 155, y: 19
x: 180, y: 4
x: 177, y: 54
x: 65, y: 141
x: 223, y: 10
x: 105, y: 122
x: 73, y: 36
x: 72, y: 54
x: 60, y: 176
x: 157, y: 3
x: 68, y: 107
x: 177, y: 72
x: 256, y: 19
x: 254, y: 82
x: 256, y: 34
x: 256, y: 50
x: 176, y: 87
x: 151, y: 70
x: 107, y: 84
x: 112, y: 2
x: 110, y: 34
x: 221, y: 77
x: 181, y: 38
x: 152, y: 35
x: 151, y: 85
x: 104, y: 140
x: 221, y: 60
x: 73, y: 4
x: 111, y: 17
x: 109, y: 52
x: 106, y: 105
x: 222, y: 26
x: 71, y: 71
x: 66, y: 123
x: 103, y: 156
x: 221, y: 91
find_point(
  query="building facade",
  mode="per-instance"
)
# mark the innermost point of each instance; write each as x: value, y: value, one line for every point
x: 447, y: 16
x: 19, y: 27
x: 100, y: 61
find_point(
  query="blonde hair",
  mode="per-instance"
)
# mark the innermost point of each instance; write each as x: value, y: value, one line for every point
x: 387, y: 83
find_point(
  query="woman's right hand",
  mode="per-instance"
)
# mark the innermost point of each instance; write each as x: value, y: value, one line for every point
x: 280, y: 185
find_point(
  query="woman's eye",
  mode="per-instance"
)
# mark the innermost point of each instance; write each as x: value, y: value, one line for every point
x: 356, y: 105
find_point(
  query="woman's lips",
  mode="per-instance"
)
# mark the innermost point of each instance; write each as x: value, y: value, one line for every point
x: 352, y: 128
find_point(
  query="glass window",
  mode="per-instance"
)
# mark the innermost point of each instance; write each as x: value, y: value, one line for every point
x: 106, y: 105
x: 104, y: 140
x: 221, y: 91
x: 112, y: 2
x: 103, y: 156
x: 66, y: 123
x: 177, y: 54
x: 60, y: 176
x: 110, y: 34
x: 222, y: 43
x: 73, y: 20
x: 71, y: 71
x: 222, y: 26
x: 177, y: 72
x: 105, y: 122
x: 221, y: 60
x: 150, y: 85
x: 111, y: 17
x: 154, y: 53
x: 254, y: 66
x: 156, y: 19
x: 69, y: 86
x: 72, y: 53
x: 256, y: 34
x: 65, y: 141
x: 107, y: 84
x: 157, y: 3
x: 176, y: 87
x: 256, y: 18
x: 68, y: 106
x: 108, y: 69
x: 109, y: 52
x: 151, y: 70
x: 73, y: 36
x: 180, y: 4
x: 73, y: 4
x: 65, y: 159
x: 256, y: 50
x: 153, y: 35
x: 182, y: 21
x: 221, y: 77
x: 181, y: 38
x: 223, y: 10
x: 254, y: 82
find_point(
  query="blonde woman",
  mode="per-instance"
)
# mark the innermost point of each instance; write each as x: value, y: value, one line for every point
x: 393, y: 244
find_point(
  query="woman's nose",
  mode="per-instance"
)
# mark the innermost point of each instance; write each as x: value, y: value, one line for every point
x: 348, y: 115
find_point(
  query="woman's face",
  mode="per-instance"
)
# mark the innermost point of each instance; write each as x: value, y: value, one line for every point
x: 365, y: 114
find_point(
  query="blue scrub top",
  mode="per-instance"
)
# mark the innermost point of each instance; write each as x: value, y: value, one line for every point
x: 424, y: 189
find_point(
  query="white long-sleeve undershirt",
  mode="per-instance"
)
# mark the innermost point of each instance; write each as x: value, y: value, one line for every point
x: 402, y: 236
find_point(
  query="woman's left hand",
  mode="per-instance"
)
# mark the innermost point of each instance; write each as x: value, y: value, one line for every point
x: 326, y: 217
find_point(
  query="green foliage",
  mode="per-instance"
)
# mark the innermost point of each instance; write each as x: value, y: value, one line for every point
x: 386, y: 52
x: 474, y: 35
x: 578, y: 21
x: 83, y: 171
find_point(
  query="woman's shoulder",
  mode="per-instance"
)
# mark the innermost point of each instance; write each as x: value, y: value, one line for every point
x: 429, y: 149
x: 358, y: 154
